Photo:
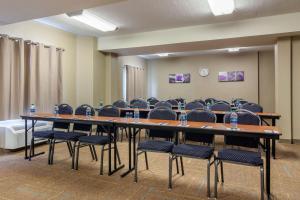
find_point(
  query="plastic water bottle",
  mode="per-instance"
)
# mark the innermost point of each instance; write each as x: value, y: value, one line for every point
x: 56, y: 109
x: 88, y: 112
x: 233, y: 120
x: 179, y: 105
x: 148, y: 105
x: 208, y: 106
x: 32, y: 109
x: 183, y: 118
x: 136, y: 114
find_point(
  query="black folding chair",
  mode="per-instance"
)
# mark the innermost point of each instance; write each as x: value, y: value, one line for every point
x: 163, y: 104
x: 194, y: 105
x: 221, y: 106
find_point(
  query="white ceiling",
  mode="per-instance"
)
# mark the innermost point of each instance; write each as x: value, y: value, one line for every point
x: 211, y: 51
x: 12, y: 11
x: 134, y: 16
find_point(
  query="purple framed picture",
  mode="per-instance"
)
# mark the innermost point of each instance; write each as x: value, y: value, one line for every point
x: 179, y: 78
x: 232, y: 76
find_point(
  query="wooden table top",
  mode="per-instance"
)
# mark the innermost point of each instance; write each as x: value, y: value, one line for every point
x: 219, y: 128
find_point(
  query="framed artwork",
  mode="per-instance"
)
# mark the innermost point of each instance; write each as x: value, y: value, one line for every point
x: 179, y: 78
x: 232, y: 76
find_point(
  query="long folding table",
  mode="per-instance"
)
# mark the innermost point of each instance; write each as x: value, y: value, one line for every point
x: 220, y: 115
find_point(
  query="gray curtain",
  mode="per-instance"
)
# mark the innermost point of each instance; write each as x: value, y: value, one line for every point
x: 29, y: 73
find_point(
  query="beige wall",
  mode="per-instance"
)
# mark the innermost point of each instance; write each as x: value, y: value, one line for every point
x: 296, y: 86
x: 203, y: 87
x: 51, y: 36
x: 267, y: 80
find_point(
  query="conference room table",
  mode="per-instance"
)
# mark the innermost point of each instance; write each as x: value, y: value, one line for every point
x: 264, y: 132
x: 220, y: 115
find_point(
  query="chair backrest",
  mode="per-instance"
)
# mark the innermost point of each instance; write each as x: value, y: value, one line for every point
x: 164, y: 114
x: 181, y: 100
x: 222, y: 101
x: 120, y: 104
x: 164, y: 104
x: 152, y: 101
x: 81, y: 110
x: 200, y: 101
x: 107, y: 111
x: 63, y: 109
x: 221, y: 106
x: 210, y: 100
x: 141, y: 104
x: 134, y: 100
x: 173, y: 102
x: 253, y: 107
x: 200, y: 116
x: 193, y: 105
x: 248, y: 118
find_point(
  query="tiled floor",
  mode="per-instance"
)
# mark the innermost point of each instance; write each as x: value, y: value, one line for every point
x: 21, y: 179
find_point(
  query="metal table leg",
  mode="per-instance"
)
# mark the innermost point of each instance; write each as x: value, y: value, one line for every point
x: 268, y: 169
x: 274, y: 141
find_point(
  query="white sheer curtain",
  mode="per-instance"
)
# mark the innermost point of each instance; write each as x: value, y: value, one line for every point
x: 29, y: 73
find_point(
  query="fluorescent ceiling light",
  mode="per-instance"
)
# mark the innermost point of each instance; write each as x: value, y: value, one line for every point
x: 236, y: 49
x: 163, y: 54
x: 93, y: 21
x: 221, y: 7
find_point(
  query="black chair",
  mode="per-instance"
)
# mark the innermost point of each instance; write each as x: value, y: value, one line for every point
x: 194, y: 150
x: 222, y: 101
x: 193, y: 105
x: 139, y: 103
x: 173, y: 102
x: 100, y: 140
x: 120, y: 104
x: 79, y: 130
x: 63, y: 109
x: 152, y: 101
x: 239, y: 101
x: 210, y: 100
x: 253, y: 107
x: 163, y: 104
x: 221, y: 106
x: 238, y: 155
x: 135, y: 100
x: 154, y: 144
x: 181, y: 100
x: 201, y: 101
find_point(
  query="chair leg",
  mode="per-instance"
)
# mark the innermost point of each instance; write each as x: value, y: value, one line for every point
x: 77, y: 156
x: 208, y: 178
x: 136, y: 167
x: 170, y: 170
x: 181, y: 163
x: 222, y: 172
x: 101, y: 160
x: 118, y: 155
x: 95, y: 153
x: 69, y: 148
x: 146, y: 160
x: 177, y: 167
x: 262, y: 189
x: 216, y: 178
x: 92, y: 152
x: 122, y: 134
x: 73, y: 154
x: 31, y: 148
x: 49, y: 151
x: 52, y: 152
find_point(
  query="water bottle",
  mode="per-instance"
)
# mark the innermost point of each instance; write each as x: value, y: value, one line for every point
x: 136, y: 114
x: 183, y: 118
x: 55, y: 110
x: 32, y: 109
x: 148, y: 105
x: 183, y: 106
x: 88, y: 112
x: 208, y: 106
x: 233, y: 120
x: 179, y: 105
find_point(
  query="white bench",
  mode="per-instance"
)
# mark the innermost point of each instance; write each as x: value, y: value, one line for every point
x: 12, y: 132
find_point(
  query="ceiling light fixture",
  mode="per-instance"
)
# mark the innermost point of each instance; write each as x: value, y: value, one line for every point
x: 221, y: 7
x: 235, y: 49
x: 92, y: 20
x: 163, y: 54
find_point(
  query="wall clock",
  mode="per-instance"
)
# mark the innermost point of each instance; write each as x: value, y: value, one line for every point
x: 203, y: 72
